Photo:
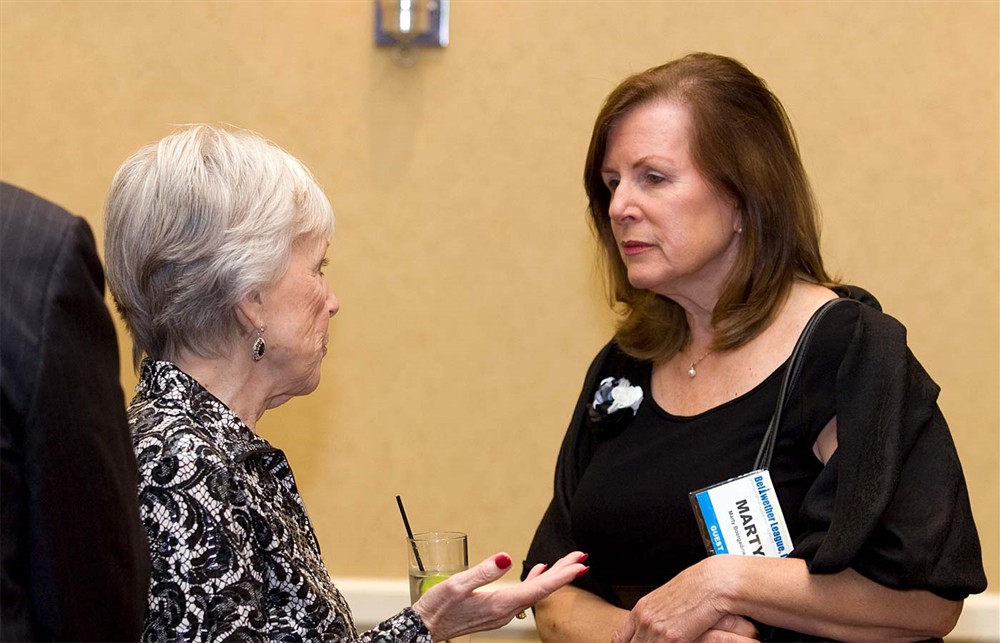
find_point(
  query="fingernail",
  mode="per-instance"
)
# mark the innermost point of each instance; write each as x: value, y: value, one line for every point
x: 502, y: 561
x: 583, y: 557
x: 583, y: 571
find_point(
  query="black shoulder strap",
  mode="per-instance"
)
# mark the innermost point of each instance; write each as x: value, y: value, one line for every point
x: 766, y: 451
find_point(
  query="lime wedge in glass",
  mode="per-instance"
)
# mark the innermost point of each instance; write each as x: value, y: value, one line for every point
x: 430, y: 581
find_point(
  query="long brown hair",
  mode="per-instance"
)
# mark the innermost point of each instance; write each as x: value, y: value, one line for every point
x: 743, y: 143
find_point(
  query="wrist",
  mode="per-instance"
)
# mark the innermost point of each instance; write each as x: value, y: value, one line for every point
x: 425, y: 616
x: 726, y: 576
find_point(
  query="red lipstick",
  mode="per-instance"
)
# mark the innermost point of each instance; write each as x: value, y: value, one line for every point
x: 630, y: 248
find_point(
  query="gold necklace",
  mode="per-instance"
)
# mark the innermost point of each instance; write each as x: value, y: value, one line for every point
x: 691, y: 369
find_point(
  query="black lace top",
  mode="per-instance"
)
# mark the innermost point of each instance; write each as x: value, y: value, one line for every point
x: 233, y: 551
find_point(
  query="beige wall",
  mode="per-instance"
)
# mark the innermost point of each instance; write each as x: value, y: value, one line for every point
x: 462, y: 259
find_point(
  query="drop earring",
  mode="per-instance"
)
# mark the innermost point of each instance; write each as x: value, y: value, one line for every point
x: 257, y: 352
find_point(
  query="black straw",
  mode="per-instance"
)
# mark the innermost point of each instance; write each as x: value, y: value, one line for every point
x: 409, y: 532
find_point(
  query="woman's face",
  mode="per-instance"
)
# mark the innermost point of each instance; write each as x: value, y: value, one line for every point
x: 676, y: 235
x: 297, y: 311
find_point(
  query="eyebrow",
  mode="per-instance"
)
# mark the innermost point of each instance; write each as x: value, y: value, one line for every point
x: 643, y: 160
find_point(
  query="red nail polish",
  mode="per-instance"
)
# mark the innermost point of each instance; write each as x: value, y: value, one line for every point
x: 503, y: 561
x: 584, y: 557
x: 583, y: 571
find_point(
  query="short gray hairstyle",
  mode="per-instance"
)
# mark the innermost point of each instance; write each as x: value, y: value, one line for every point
x: 195, y: 223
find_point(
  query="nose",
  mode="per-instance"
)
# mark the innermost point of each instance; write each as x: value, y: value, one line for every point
x: 332, y: 303
x: 622, y: 205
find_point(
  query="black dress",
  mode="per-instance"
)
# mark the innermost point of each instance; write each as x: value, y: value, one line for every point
x: 622, y: 482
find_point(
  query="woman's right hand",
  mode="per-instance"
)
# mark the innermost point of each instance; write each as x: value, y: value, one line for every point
x: 730, y: 629
x: 454, y: 607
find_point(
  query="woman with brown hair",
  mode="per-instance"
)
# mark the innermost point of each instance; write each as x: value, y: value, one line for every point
x: 708, y: 225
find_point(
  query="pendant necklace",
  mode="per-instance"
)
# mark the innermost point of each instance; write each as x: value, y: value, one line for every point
x: 691, y: 369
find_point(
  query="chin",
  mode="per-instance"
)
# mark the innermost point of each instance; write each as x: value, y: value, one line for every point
x: 310, y: 385
x: 305, y: 384
x: 643, y: 282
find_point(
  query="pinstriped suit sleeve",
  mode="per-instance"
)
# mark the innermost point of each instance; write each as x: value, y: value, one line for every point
x: 75, y: 560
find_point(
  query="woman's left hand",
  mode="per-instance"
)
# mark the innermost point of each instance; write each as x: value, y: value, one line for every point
x: 700, y: 604
x: 454, y: 607
x: 685, y: 609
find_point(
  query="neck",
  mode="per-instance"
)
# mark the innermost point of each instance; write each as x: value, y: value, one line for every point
x: 699, y: 320
x: 698, y: 313
x: 231, y: 379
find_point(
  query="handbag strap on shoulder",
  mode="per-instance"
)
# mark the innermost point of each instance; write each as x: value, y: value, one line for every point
x: 788, y: 382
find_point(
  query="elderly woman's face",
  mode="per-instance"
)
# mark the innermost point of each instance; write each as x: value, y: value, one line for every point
x: 297, y: 311
x: 676, y: 235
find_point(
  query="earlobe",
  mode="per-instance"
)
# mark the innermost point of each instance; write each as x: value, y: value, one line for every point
x: 736, y: 210
x: 251, y: 311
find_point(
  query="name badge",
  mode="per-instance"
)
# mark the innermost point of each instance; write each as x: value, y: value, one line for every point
x: 742, y: 516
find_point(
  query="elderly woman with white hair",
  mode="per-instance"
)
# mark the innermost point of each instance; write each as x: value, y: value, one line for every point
x: 215, y: 246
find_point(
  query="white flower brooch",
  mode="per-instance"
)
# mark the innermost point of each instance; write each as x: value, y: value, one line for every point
x: 612, y: 398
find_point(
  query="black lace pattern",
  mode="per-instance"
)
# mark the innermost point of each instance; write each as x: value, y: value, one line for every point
x: 233, y: 550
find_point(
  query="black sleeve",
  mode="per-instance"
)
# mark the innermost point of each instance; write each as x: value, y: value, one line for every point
x: 76, y: 561
x: 554, y: 537
x: 892, y: 502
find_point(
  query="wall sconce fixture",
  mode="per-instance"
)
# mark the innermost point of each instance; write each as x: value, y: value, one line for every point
x: 405, y: 25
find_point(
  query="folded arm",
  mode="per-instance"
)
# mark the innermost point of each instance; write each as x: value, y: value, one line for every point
x: 782, y: 593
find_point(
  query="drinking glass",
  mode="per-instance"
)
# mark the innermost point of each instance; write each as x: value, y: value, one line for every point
x: 433, y: 557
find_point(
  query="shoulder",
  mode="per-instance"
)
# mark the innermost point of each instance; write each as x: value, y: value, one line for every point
x: 53, y: 317
x: 612, y: 361
x: 37, y: 227
x: 49, y: 256
x: 858, y: 341
x: 851, y: 321
x: 164, y: 433
x: 28, y: 214
x: 184, y: 476
x: 834, y: 316
x: 879, y: 356
x: 870, y: 322
x: 836, y: 324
